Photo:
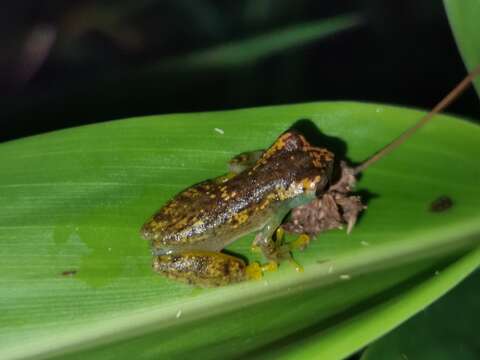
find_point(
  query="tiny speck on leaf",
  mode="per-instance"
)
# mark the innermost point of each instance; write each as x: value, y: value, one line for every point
x: 220, y: 131
x: 441, y: 204
x: 69, y: 272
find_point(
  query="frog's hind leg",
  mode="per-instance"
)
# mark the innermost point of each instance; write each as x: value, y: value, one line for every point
x: 205, y: 268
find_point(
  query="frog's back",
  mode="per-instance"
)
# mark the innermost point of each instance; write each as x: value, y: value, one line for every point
x: 189, y: 215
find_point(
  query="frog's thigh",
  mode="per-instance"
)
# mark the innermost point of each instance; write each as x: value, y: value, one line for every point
x: 243, y: 161
x: 202, y: 268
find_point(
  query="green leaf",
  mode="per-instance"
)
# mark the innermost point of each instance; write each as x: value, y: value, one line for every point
x: 463, y: 16
x: 445, y: 330
x: 75, y: 276
x: 248, y: 51
x: 355, y: 331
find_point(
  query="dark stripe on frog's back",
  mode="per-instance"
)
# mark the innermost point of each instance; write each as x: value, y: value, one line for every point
x: 231, y: 208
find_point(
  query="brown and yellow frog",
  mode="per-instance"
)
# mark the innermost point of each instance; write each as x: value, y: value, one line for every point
x: 188, y: 233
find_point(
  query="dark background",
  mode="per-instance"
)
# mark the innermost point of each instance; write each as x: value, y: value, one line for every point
x: 68, y: 63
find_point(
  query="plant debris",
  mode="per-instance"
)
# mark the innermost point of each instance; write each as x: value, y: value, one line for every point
x: 441, y: 204
x: 69, y: 272
x: 333, y: 209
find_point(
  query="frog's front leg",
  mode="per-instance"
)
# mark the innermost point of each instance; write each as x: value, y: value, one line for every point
x: 273, y: 250
x: 205, y: 268
x: 243, y: 161
x: 239, y: 163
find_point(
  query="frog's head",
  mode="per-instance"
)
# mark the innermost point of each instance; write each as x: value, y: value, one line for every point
x: 292, y: 158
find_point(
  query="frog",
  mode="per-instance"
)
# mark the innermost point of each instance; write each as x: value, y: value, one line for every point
x: 189, y: 233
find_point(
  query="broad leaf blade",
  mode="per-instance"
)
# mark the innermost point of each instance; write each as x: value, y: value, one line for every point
x: 352, y: 333
x: 446, y: 330
x: 74, y: 200
x: 256, y: 48
x: 463, y: 17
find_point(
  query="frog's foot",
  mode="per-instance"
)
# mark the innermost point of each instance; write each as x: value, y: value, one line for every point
x: 254, y: 271
x: 300, y: 243
x: 203, y: 268
x: 243, y: 161
x: 255, y: 248
x: 274, y: 250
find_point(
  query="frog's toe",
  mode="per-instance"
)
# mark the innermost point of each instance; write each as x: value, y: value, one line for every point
x: 254, y: 271
x: 297, y: 265
x: 270, y: 266
x: 300, y: 243
x: 255, y: 248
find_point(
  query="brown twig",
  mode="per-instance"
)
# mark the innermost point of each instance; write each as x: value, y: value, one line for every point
x: 447, y: 100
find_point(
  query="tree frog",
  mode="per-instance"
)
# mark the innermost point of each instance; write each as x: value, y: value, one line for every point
x: 188, y: 233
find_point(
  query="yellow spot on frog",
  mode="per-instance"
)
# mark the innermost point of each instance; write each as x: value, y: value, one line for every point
x: 253, y: 271
x: 241, y: 217
x: 263, y: 205
x: 277, y: 146
x: 308, y: 184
